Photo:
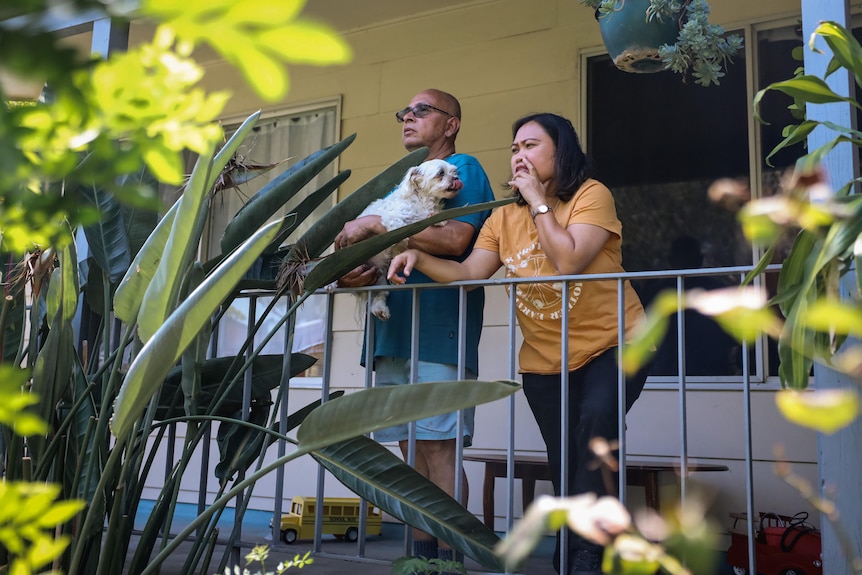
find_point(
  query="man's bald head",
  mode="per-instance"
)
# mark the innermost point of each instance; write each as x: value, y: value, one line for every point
x: 444, y: 100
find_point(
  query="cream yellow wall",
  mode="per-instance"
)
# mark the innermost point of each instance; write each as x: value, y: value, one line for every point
x: 503, y: 59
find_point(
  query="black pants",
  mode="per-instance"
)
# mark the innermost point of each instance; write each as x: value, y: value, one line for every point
x: 593, y: 404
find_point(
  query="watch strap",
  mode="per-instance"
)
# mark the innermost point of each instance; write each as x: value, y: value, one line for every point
x: 540, y: 209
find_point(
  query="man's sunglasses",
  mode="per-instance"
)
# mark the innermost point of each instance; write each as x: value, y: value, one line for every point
x: 420, y: 111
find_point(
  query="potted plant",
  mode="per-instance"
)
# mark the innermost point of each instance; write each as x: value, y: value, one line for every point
x: 646, y: 36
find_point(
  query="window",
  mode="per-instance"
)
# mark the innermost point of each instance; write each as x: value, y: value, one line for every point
x: 285, y: 137
x: 658, y: 143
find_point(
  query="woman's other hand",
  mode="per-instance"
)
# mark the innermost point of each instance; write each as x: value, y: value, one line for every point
x: 404, y: 263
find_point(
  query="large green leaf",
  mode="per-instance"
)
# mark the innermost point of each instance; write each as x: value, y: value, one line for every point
x: 845, y: 48
x: 307, y: 206
x: 339, y: 263
x: 839, y: 240
x: 378, y: 408
x: 54, y: 364
x: 161, y: 289
x: 269, y: 199
x: 240, y: 445
x: 793, y: 269
x: 162, y: 293
x: 197, y: 352
x: 332, y: 432
x: 796, y: 135
x: 810, y: 89
x: 140, y: 222
x: 372, y: 471
x: 107, y: 238
x: 156, y: 522
x: 266, y: 375
x: 161, y: 352
x: 130, y: 292
x: 63, y: 290
x: 354, y: 415
x: 376, y: 474
x: 322, y: 233
x: 809, y: 272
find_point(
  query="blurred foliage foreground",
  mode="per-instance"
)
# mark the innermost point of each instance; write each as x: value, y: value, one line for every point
x: 82, y: 424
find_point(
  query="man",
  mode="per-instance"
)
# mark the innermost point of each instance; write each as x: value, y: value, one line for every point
x: 432, y: 119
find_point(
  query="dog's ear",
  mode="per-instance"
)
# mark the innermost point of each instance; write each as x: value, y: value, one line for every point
x: 414, y: 175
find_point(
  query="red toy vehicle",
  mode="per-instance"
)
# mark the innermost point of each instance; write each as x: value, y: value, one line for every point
x: 782, y: 546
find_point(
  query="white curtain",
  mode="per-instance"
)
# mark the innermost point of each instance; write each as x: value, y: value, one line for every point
x: 285, y: 139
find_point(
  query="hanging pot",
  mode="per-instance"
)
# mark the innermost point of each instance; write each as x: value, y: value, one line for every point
x: 632, y: 42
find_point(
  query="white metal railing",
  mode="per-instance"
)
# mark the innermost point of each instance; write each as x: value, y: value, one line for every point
x: 680, y: 381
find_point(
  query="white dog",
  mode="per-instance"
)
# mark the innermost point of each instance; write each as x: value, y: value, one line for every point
x: 420, y: 195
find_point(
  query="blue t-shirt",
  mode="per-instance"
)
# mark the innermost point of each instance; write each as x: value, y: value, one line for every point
x: 438, y: 308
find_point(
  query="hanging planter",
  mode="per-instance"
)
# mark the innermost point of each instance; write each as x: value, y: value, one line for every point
x: 646, y: 36
x: 633, y: 41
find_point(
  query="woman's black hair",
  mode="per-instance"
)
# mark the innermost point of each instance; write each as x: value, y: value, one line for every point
x: 572, y: 166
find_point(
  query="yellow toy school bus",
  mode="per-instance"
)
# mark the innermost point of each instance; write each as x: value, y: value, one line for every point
x: 340, y: 518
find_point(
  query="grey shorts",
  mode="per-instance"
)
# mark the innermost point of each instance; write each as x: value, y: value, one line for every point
x: 396, y: 371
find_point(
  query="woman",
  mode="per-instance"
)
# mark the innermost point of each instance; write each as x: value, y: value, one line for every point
x: 563, y: 223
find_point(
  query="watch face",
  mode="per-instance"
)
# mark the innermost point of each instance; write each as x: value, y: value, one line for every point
x: 542, y: 209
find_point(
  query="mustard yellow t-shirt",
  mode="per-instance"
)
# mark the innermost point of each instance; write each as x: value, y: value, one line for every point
x: 592, y: 305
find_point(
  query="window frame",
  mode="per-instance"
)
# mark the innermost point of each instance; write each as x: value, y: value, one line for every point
x: 750, y: 31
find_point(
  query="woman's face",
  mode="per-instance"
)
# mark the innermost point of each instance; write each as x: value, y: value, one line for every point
x: 533, y: 147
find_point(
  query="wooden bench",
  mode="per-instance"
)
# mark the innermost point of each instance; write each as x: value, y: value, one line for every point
x: 530, y: 468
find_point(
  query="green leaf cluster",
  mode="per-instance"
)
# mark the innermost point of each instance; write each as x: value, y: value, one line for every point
x: 14, y: 402
x: 102, y: 121
x: 29, y: 515
x: 256, y: 36
x: 828, y: 223
x: 813, y: 314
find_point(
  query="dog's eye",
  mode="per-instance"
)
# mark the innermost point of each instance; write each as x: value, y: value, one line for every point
x: 441, y: 173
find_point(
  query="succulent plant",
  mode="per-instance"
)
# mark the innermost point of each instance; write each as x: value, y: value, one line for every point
x: 701, y: 49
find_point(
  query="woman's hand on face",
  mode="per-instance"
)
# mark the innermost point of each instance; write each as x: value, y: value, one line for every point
x: 528, y: 185
x: 404, y: 263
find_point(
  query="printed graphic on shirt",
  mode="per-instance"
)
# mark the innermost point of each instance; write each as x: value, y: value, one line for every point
x: 539, y: 301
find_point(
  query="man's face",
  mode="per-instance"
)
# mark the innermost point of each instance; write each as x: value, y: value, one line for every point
x: 427, y: 131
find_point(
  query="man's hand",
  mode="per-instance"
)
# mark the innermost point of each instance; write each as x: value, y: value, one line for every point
x: 360, y: 276
x: 357, y: 230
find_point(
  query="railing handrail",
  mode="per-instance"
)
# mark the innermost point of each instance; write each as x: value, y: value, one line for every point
x: 652, y: 274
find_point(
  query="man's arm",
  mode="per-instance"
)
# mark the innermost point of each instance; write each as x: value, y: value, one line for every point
x: 451, y: 239
x: 357, y: 230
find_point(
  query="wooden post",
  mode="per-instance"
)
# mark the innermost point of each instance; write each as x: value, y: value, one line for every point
x: 839, y: 455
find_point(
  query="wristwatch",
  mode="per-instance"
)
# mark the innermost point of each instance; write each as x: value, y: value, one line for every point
x: 540, y: 209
